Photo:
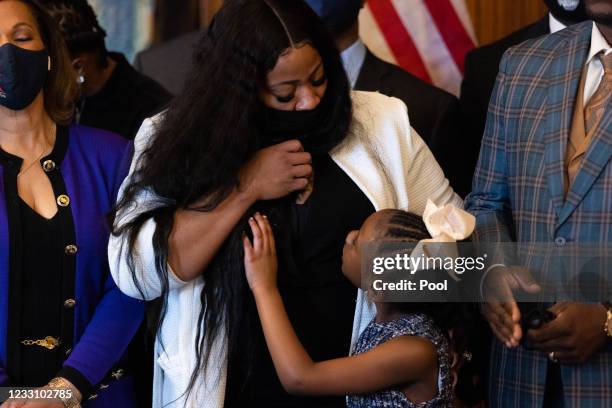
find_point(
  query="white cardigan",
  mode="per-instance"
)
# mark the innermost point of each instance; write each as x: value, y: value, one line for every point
x: 385, y: 158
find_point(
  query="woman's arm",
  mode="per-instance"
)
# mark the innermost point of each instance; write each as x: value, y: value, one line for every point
x: 425, y: 178
x: 105, y: 339
x: 197, y: 236
x: 395, y: 362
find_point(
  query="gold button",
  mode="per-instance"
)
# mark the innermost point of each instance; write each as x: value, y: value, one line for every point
x: 63, y: 200
x: 48, y: 165
x: 69, y: 303
x: 70, y: 249
x: 117, y: 374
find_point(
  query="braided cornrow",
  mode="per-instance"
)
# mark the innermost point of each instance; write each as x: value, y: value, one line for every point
x: 79, y: 25
x: 404, y: 226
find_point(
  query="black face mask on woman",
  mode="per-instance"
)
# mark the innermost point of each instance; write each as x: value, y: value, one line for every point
x: 313, y: 128
x: 22, y: 75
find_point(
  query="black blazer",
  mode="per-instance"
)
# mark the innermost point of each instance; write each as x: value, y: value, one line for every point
x: 433, y: 113
x: 481, y: 67
x: 169, y: 62
x: 429, y: 108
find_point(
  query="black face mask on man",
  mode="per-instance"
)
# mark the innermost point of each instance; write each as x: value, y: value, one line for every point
x: 22, y: 75
x: 567, y: 11
x: 337, y: 15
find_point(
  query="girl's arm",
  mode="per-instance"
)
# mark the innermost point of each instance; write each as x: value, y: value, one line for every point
x: 398, y: 361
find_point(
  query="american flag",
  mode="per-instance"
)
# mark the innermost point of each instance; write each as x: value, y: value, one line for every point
x: 428, y: 38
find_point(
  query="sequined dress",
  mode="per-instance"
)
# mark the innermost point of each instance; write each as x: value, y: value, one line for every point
x: 408, y: 325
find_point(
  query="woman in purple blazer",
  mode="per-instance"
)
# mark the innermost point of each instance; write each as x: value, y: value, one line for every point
x: 63, y: 322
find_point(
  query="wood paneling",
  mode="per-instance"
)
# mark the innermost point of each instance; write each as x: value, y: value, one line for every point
x: 173, y: 18
x: 208, y: 8
x: 494, y: 19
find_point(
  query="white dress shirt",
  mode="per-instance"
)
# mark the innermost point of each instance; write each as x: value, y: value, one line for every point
x: 595, y: 67
x: 554, y: 24
x: 352, y: 59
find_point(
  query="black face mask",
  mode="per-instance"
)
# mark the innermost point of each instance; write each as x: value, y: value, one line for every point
x: 314, y: 128
x: 22, y: 75
x: 564, y: 10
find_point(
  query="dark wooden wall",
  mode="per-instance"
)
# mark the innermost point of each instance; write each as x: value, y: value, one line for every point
x: 494, y: 19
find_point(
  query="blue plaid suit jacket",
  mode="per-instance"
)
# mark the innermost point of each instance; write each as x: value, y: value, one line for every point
x: 518, y: 194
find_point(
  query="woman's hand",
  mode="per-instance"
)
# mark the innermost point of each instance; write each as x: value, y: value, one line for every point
x: 260, y: 261
x: 276, y: 171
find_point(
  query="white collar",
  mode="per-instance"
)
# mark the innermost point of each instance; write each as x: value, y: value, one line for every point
x: 554, y: 24
x: 352, y: 59
x: 598, y: 44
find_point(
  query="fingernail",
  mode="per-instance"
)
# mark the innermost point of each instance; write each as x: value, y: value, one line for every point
x: 265, y: 216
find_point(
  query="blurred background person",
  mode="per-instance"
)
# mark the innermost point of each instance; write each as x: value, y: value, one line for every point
x: 63, y: 321
x: 433, y: 112
x: 115, y: 96
x: 168, y: 63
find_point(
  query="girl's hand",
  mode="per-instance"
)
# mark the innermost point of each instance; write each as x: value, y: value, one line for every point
x: 276, y: 171
x: 260, y: 261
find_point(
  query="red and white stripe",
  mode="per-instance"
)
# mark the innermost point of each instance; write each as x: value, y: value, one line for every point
x: 428, y: 38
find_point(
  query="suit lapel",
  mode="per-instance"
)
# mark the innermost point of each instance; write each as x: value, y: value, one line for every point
x: 563, y: 77
x: 371, y: 74
x: 595, y: 160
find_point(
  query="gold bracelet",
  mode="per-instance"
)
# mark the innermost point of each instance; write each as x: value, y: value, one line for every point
x: 71, y: 401
x: 48, y: 342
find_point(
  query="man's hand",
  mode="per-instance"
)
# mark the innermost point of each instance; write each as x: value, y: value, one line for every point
x: 500, y: 308
x: 575, y: 335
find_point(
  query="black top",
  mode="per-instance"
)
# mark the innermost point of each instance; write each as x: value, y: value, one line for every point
x: 41, y: 313
x: 433, y: 112
x: 54, y: 253
x: 128, y: 98
x: 320, y: 301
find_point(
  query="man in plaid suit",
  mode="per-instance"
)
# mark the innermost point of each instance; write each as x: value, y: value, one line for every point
x: 545, y: 175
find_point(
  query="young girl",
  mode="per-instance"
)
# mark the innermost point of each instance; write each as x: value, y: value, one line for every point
x: 402, y: 359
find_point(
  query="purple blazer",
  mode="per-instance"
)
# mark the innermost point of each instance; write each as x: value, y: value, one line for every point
x: 90, y: 166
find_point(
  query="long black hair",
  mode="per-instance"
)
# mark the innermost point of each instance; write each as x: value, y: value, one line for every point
x: 208, y: 133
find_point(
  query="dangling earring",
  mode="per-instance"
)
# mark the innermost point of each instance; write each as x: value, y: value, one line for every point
x: 80, y: 77
x: 48, y: 63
